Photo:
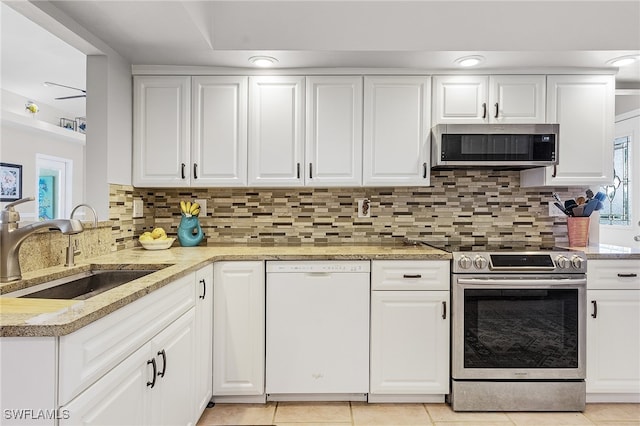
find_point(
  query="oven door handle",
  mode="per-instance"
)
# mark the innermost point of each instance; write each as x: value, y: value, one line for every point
x: 508, y: 281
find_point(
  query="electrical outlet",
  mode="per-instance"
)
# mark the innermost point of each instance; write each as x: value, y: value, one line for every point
x: 203, y: 207
x: 364, y: 208
x: 137, y: 208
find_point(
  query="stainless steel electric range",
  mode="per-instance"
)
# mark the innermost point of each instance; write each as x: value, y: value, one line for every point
x: 518, y: 328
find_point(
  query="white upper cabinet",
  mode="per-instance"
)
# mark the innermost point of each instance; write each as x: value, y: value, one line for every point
x: 472, y: 99
x: 190, y: 131
x: 161, y: 135
x: 396, y: 131
x: 583, y: 105
x: 276, y: 131
x: 333, y: 148
x: 517, y: 99
x: 219, y: 132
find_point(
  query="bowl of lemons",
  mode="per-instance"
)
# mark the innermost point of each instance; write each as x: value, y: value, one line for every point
x: 156, y: 240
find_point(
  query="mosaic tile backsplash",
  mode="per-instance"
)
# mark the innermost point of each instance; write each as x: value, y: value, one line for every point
x: 469, y: 205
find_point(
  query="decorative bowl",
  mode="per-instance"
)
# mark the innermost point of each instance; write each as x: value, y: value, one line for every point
x: 157, y: 244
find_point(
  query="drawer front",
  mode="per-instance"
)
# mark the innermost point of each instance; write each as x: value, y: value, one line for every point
x: 612, y: 274
x: 89, y: 353
x: 410, y: 275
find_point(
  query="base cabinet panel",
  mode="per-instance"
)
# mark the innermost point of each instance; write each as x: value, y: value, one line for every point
x: 238, y: 328
x: 203, y: 382
x: 409, y: 342
x: 613, y: 343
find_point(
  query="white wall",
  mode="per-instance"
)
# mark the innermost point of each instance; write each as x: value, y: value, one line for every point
x: 20, y: 144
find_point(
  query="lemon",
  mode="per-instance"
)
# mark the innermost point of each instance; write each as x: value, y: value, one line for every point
x: 158, y: 232
x: 146, y: 236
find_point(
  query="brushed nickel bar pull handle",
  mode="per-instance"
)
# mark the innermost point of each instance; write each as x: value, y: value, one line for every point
x: 195, y: 170
x: 412, y: 276
x: 484, y: 110
x: 632, y: 275
x: 496, y: 116
x: 444, y: 310
x: 182, y: 169
x: 595, y: 309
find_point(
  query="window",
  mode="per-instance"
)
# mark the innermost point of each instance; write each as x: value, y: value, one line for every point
x: 616, y: 207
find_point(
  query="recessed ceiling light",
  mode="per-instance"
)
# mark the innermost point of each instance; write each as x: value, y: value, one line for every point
x: 622, y: 60
x: 263, y: 61
x: 469, y: 61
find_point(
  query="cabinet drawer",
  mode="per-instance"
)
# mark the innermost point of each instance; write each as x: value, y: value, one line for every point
x: 89, y: 353
x: 410, y: 275
x: 618, y: 274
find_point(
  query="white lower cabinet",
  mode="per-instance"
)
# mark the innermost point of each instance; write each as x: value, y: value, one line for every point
x: 153, y: 386
x: 238, y: 331
x: 613, y: 342
x: 204, y: 339
x: 409, y: 331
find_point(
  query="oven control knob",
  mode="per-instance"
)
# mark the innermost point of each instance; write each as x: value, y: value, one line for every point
x: 562, y: 262
x: 480, y: 262
x: 464, y: 262
x: 577, y: 262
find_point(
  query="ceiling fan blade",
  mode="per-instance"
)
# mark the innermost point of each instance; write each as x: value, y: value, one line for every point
x: 71, y: 97
x: 48, y: 83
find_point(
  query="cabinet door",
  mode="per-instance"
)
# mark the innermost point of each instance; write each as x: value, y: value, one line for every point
x: 173, y: 394
x: 409, y: 342
x: 460, y: 99
x: 120, y: 397
x: 161, y: 131
x: 333, y: 149
x: 517, y: 99
x: 219, y: 133
x: 238, y: 328
x: 204, y: 339
x: 276, y: 134
x: 583, y: 105
x: 613, y: 343
x: 396, y: 131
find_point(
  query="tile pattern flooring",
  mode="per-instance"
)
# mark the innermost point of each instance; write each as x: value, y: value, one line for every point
x: 359, y: 413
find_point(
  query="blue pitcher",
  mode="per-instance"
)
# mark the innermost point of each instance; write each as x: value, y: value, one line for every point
x: 186, y: 229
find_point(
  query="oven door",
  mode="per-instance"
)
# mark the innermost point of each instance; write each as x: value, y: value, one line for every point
x: 518, y: 327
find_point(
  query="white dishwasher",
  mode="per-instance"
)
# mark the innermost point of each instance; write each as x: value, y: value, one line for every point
x: 317, y: 337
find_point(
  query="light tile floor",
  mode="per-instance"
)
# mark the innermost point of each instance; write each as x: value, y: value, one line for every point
x: 363, y: 414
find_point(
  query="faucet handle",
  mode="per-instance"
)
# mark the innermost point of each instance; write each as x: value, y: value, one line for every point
x: 20, y: 201
x: 9, y: 215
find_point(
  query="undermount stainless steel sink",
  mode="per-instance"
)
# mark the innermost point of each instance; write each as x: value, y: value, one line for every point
x: 83, y: 285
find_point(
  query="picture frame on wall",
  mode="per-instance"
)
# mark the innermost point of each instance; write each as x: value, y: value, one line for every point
x: 10, y: 182
x: 81, y: 124
x: 67, y: 123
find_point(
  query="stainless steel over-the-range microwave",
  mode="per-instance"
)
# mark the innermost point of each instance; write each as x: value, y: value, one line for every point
x: 494, y: 145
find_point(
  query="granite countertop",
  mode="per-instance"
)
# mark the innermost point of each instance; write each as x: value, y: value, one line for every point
x: 607, y: 251
x: 47, y: 317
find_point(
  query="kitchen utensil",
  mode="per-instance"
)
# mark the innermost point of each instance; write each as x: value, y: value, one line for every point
x: 589, y: 194
x: 569, y: 204
x: 590, y: 207
x: 578, y: 210
x: 600, y: 196
x: 565, y: 211
x: 556, y: 197
x: 581, y: 200
x: 600, y: 206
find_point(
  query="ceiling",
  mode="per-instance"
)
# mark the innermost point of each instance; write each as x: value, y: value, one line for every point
x: 513, y: 35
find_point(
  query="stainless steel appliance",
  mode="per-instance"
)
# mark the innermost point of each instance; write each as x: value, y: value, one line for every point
x: 518, y: 330
x: 494, y: 145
